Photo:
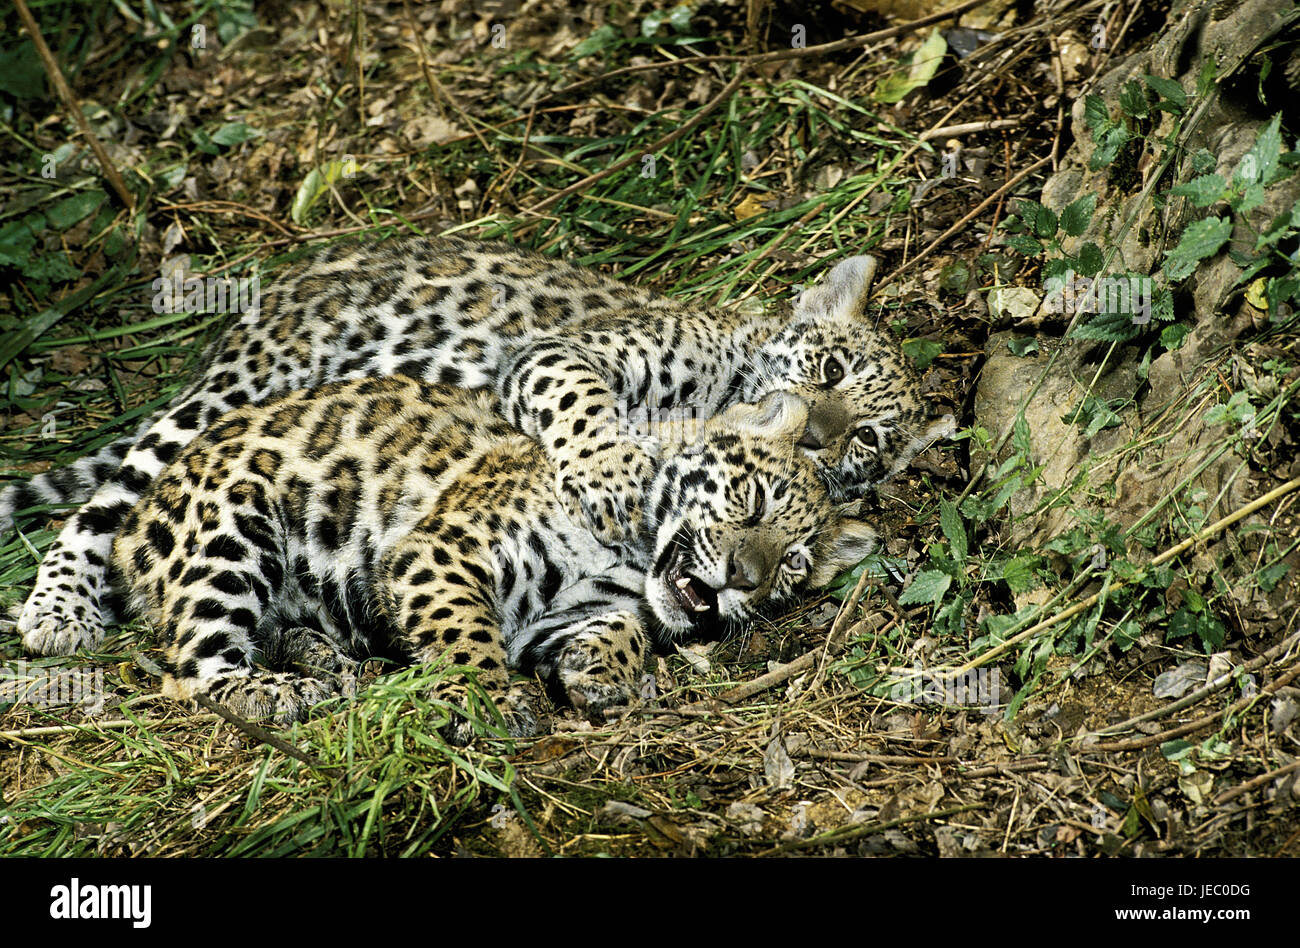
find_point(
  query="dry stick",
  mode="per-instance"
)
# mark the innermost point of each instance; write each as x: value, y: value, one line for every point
x: 1214, y: 528
x: 967, y: 128
x: 837, y: 627
x: 1202, y: 722
x: 851, y: 42
x: 801, y: 664
x: 70, y: 103
x: 668, y: 139
x: 1197, y: 696
x: 853, y: 758
x: 857, y: 832
x: 995, y: 196
x: 91, y: 727
x: 1255, y: 783
x: 266, y: 737
x: 63, y: 757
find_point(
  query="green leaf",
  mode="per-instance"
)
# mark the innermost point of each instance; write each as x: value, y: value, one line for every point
x: 17, y: 239
x: 1169, y: 90
x: 21, y: 73
x: 1172, y: 337
x: 922, y: 351
x: 232, y: 133
x: 1108, y: 327
x: 679, y: 17
x: 1038, y: 218
x: 1094, y: 414
x: 1090, y: 259
x: 1078, y: 214
x: 954, y: 529
x: 51, y: 268
x: 1025, y: 244
x: 1055, y: 267
x: 318, y: 181
x: 1249, y: 199
x: 1162, y: 304
x: 1108, y: 145
x: 1020, y: 438
x: 1203, y: 161
x: 921, y: 67
x: 1023, y: 345
x: 1019, y: 573
x: 75, y: 208
x: 1126, y: 634
x: 1269, y: 576
x: 1133, y: 99
x: 1237, y: 410
x: 1187, y: 622
x: 1281, y: 226
x: 600, y: 39
x: 927, y: 587
x: 1095, y: 113
x: 1200, y: 240
x: 1259, y: 165
x: 1202, y: 191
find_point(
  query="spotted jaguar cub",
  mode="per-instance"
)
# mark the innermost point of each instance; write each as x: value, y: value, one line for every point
x: 394, y: 517
x: 567, y: 350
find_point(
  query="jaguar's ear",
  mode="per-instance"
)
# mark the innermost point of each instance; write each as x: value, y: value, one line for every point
x: 844, y: 544
x: 776, y: 415
x: 842, y: 293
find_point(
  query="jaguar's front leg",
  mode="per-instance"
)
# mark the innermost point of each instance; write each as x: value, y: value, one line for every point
x: 444, y: 605
x: 598, y: 664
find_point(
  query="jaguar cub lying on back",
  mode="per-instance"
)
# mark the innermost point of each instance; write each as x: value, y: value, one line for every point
x: 394, y: 517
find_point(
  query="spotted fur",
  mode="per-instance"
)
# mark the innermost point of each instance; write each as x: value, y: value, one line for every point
x: 392, y: 517
x: 567, y: 350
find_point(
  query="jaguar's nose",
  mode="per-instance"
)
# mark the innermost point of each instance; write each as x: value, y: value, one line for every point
x: 810, y: 440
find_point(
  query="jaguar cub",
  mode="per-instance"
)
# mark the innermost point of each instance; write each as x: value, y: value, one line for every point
x: 393, y: 517
x: 566, y: 349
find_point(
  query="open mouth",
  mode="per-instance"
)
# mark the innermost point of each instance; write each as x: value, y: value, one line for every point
x: 692, y: 595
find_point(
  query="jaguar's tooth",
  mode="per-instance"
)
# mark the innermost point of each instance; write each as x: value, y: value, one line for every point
x: 702, y: 607
x: 683, y: 582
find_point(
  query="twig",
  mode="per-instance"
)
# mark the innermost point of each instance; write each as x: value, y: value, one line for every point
x: 1201, y: 693
x: 1255, y: 782
x: 967, y: 128
x: 70, y: 103
x: 852, y: 758
x: 63, y: 757
x: 837, y: 628
x: 1217, y: 527
x: 979, y: 209
x: 787, y: 671
x: 1199, y: 724
x: 266, y: 737
x: 90, y: 727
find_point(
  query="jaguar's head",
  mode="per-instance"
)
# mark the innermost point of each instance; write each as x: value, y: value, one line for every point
x: 866, y: 417
x: 740, y: 519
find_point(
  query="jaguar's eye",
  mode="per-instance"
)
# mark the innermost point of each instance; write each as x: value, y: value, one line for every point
x: 796, y: 561
x: 758, y: 503
x: 867, y: 435
x: 832, y: 372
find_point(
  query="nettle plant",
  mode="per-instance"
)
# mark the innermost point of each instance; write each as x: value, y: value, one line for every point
x: 1124, y: 307
x: 960, y: 578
